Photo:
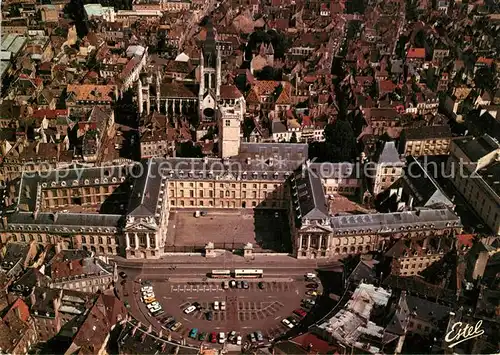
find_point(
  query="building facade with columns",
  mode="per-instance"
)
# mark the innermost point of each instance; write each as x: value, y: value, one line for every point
x: 318, y: 234
x: 124, y: 210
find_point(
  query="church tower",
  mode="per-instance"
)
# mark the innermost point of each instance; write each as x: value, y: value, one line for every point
x: 210, y: 76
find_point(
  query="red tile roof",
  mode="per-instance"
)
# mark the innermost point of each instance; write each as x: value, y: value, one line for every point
x: 416, y: 53
x: 484, y: 60
x: 229, y: 92
x: 50, y: 114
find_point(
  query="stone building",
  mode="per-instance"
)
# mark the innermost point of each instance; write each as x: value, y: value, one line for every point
x: 474, y: 165
x: 428, y: 140
x: 388, y: 168
x: 317, y: 234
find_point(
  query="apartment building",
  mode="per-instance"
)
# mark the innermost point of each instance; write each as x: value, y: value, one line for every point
x: 427, y: 140
x: 474, y: 166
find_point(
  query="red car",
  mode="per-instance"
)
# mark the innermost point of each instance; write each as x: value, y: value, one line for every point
x: 300, y: 312
x: 213, y: 337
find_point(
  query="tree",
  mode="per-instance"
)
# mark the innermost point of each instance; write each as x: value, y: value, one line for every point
x: 267, y: 73
x: 293, y: 138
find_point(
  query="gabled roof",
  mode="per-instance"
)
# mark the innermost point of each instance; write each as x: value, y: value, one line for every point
x: 144, y: 196
x: 308, y: 195
x: 389, y: 154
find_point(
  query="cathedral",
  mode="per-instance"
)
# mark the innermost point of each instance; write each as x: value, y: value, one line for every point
x: 215, y: 102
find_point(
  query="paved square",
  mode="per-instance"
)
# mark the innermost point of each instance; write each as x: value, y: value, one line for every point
x: 227, y: 229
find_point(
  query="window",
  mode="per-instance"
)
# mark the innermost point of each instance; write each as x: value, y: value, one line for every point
x: 254, y: 186
x: 244, y: 186
x: 222, y: 194
x: 227, y: 193
x: 191, y: 193
x: 181, y: 193
x: 201, y: 193
x: 265, y: 186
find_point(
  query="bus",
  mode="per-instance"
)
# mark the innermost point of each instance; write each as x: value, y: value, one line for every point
x: 248, y: 273
x: 220, y: 274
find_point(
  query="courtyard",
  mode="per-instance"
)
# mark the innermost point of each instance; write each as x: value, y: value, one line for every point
x: 228, y: 229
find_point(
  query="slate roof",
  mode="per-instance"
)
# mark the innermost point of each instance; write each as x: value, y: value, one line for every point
x: 395, y: 222
x: 389, y: 154
x: 176, y: 90
x: 146, y: 190
x: 308, y: 195
x: 428, y: 132
x: 427, y: 310
x: 476, y: 148
x: 422, y: 186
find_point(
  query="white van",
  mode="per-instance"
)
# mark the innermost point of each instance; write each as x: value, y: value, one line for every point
x: 310, y: 276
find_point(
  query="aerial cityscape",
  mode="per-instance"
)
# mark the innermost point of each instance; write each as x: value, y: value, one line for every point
x: 258, y: 177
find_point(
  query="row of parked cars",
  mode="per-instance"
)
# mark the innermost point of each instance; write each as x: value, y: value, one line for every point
x: 148, y: 297
x: 307, y: 303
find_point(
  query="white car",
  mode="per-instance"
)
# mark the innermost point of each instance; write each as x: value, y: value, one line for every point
x: 287, y: 323
x: 238, y: 340
x: 310, y: 276
x: 222, y: 338
x: 153, y: 305
x: 155, y: 309
x: 148, y: 294
x: 216, y: 305
x: 190, y: 309
x: 147, y: 288
x: 223, y: 306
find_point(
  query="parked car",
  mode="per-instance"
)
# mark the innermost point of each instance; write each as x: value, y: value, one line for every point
x: 123, y: 275
x: 310, y: 276
x: 147, y: 289
x: 300, y: 312
x: 158, y: 313
x: 197, y: 305
x: 259, y: 336
x: 231, y: 336
x: 312, y: 285
x: 202, y: 336
x: 170, y: 323
x: 154, y: 304
x: 213, y: 337
x: 225, y: 285
x: 293, y: 321
x: 193, y: 333
x: 287, y: 323
x: 238, y: 340
x: 148, y: 300
x: 223, y: 306
x: 190, y: 309
x: 239, y: 284
x: 245, y: 285
x: 176, y: 326
x: 252, y: 337
x: 209, y: 315
x: 216, y: 305
x: 155, y: 309
x: 222, y: 338
x: 166, y: 320
x: 312, y: 293
x: 261, y: 285
x: 232, y: 284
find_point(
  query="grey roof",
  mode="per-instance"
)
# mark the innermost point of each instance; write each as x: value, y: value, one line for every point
x: 65, y: 223
x: 308, y: 195
x: 427, y: 310
x: 389, y: 154
x: 476, y: 148
x: 74, y: 176
x: 395, y: 222
x: 14, y: 253
x: 428, y: 132
x: 278, y: 127
x: 146, y: 191
x: 423, y: 187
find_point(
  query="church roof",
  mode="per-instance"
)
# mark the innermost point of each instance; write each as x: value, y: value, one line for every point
x: 229, y: 92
